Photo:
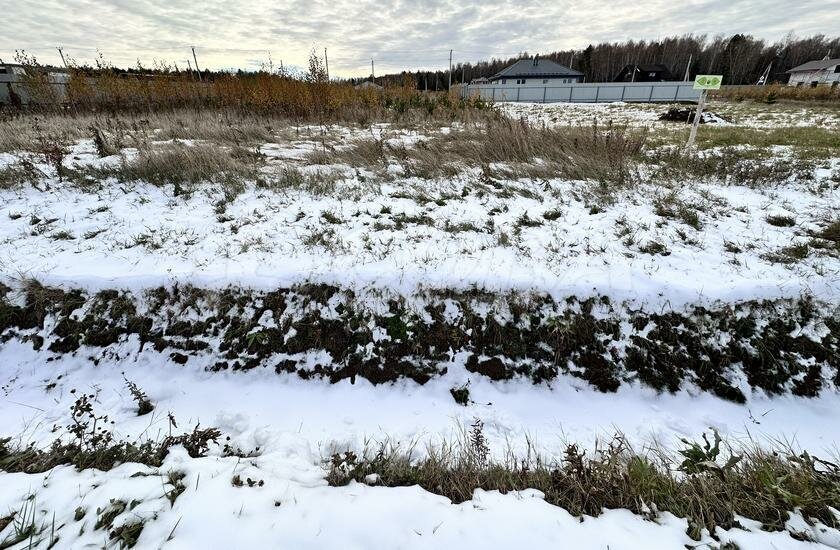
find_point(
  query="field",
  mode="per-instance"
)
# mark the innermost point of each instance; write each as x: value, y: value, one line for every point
x: 448, y: 325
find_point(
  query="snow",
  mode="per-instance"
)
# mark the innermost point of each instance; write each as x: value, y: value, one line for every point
x: 137, y: 236
x: 567, y: 410
x: 747, y: 115
x: 296, y: 424
x: 294, y: 510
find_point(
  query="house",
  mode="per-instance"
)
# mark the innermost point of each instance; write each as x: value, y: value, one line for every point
x: 825, y: 72
x: 368, y: 85
x: 653, y: 72
x: 536, y: 71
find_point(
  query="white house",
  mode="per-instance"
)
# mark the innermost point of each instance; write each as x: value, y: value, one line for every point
x: 534, y: 72
x: 825, y: 72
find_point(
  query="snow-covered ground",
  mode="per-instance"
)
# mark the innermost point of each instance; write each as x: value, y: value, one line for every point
x: 747, y: 115
x: 552, y: 236
x: 292, y: 509
x: 296, y: 424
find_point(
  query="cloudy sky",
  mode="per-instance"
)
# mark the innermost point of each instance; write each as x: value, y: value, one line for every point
x: 399, y: 34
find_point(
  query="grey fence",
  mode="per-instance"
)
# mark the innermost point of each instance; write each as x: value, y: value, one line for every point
x: 600, y: 92
x: 13, y: 88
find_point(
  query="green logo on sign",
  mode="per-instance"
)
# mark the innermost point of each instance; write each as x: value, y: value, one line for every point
x: 708, y: 81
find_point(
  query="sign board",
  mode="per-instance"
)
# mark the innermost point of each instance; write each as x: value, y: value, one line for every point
x: 708, y: 81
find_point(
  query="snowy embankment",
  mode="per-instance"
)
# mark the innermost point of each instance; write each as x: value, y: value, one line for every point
x: 557, y: 315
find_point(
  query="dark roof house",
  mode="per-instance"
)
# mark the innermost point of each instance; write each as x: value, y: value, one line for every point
x: 652, y: 72
x: 536, y: 69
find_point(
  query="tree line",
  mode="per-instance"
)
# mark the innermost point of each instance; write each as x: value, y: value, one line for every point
x: 740, y: 58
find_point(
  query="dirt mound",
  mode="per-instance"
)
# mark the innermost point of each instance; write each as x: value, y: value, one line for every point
x: 686, y: 115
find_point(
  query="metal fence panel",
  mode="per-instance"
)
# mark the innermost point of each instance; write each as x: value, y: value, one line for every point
x: 596, y: 92
x: 14, y: 85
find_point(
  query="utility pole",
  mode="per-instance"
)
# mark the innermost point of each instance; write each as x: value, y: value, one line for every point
x: 693, y: 135
x: 688, y: 68
x: 372, y: 74
x: 61, y: 53
x: 189, y: 66
x: 196, y: 63
x: 765, y: 76
x: 450, y: 70
x: 327, y: 64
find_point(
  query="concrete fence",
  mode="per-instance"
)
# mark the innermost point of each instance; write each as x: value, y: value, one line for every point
x: 596, y: 92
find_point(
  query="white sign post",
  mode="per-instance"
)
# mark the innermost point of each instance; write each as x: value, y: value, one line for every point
x: 702, y: 82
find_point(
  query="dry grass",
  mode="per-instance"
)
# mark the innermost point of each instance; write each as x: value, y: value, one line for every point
x: 21, y: 131
x: 318, y: 183
x: 480, y: 138
x: 776, y: 92
x: 89, y: 443
x: 13, y: 176
x: 814, y: 140
x: 709, y: 486
x: 728, y: 165
x: 606, y: 155
x: 183, y: 166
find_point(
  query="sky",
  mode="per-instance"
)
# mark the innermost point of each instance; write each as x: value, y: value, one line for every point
x: 403, y: 34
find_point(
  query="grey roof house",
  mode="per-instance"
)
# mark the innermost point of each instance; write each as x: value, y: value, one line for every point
x: 824, y: 72
x: 536, y: 71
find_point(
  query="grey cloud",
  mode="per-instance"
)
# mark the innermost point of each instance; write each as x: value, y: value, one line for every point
x: 399, y: 34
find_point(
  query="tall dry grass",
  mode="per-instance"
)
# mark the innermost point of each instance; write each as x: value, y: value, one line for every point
x: 707, y: 482
x: 605, y: 154
x: 774, y: 92
x: 184, y: 167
